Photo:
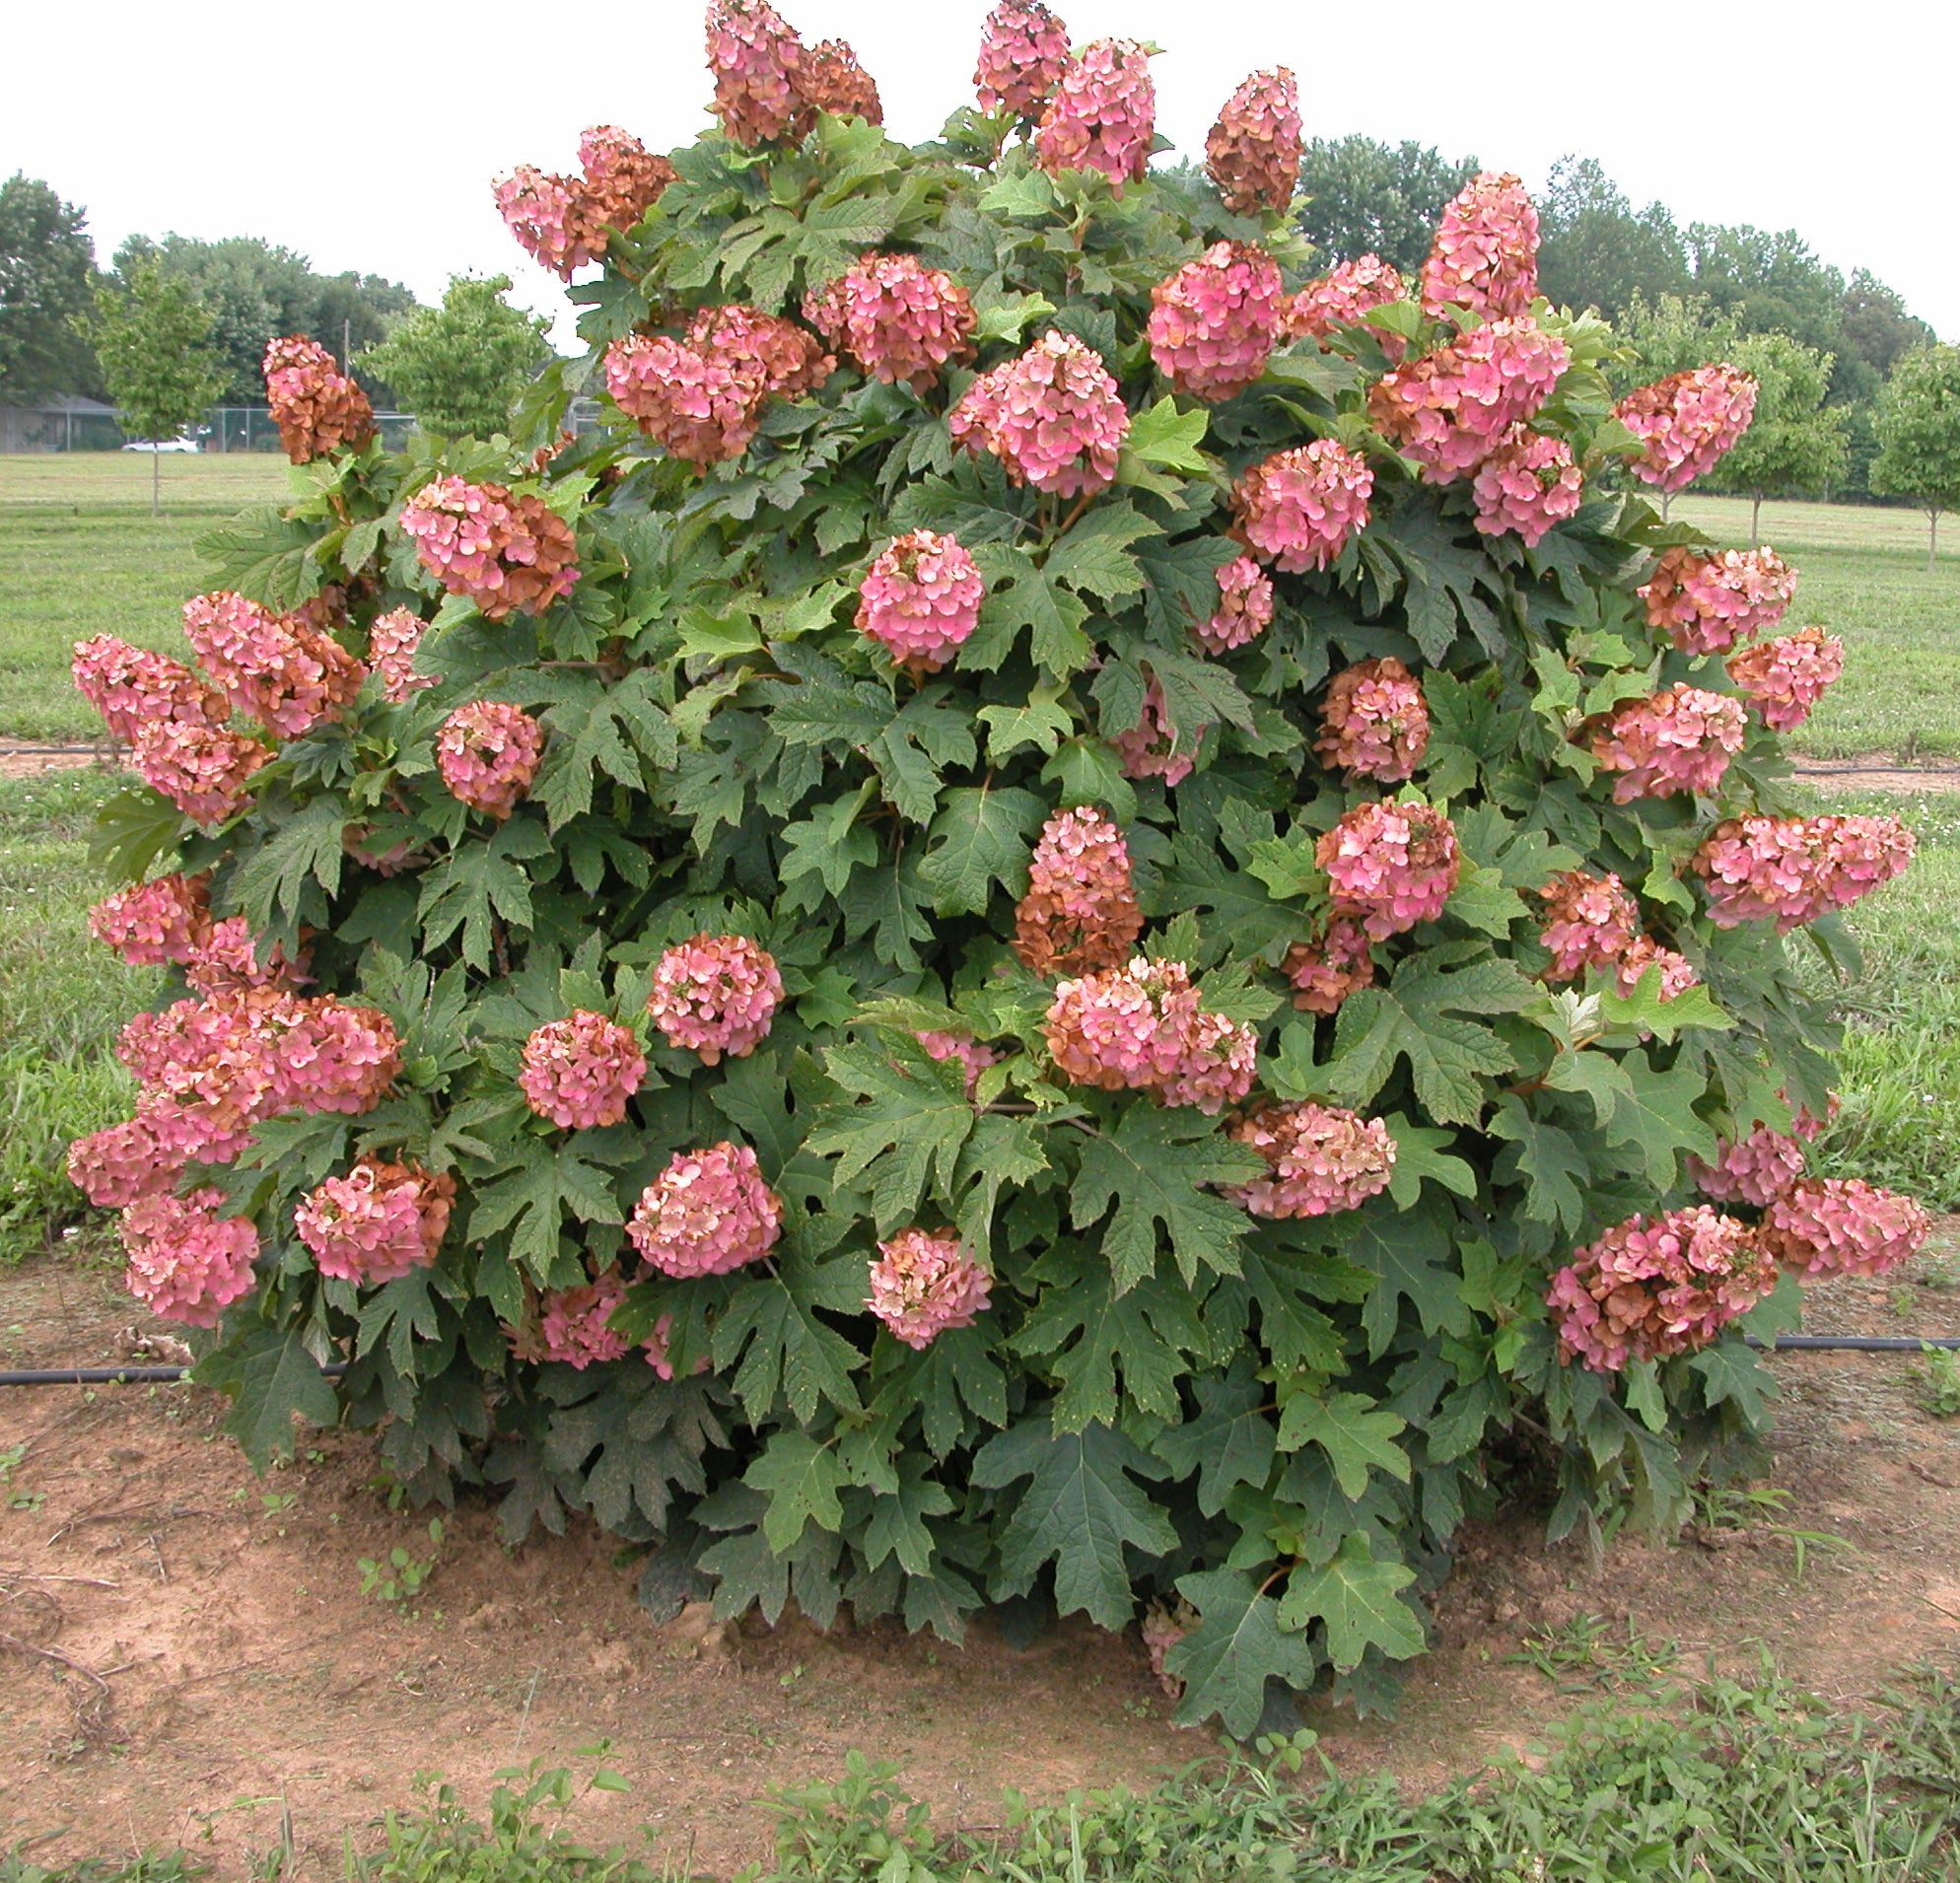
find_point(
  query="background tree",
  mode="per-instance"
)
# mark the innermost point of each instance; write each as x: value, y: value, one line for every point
x: 1918, y: 423
x: 1372, y: 198
x: 1597, y: 250
x: 458, y: 366
x: 1875, y: 333
x: 1795, y: 445
x: 153, y: 337
x: 47, y: 272
x: 1671, y: 333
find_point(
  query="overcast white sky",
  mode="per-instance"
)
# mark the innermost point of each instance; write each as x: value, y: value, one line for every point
x: 364, y: 135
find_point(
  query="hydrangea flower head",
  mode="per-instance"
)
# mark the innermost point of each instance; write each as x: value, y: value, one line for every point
x: 1687, y: 423
x: 1758, y: 1168
x: 759, y: 64
x: 708, y: 1213
x: 1843, y: 1225
x: 316, y: 406
x: 330, y: 1055
x: 924, y: 1284
x: 1450, y: 410
x: 392, y: 642
x: 119, y: 1165
x: 1374, y: 721
x: 974, y: 1057
x: 275, y: 669
x: 902, y: 321
x: 378, y: 1222
x: 1785, y: 678
x: 764, y: 349
x: 1590, y: 922
x: 1322, y: 1159
x: 1149, y: 748
x: 573, y: 1322
x: 1677, y: 972
x: 1053, y: 417
x: 1789, y: 871
x: 1335, y: 963
x: 623, y: 180
x: 1144, y: 1028
x: 1297, y: 509
x: 1244, y: 610
x: 1253, y: 150
x: 1681, y: 738
x: 224, y: 959
x: 1343, y: 298
x: 1528, y: 483
x: 1215, y: 322
x: 920, y: 598
x: 697, y: 408
x: 565, y: 222
x: 716, y: 994
x: 1080, y: 911
x: 150, y: 923
x: 1485, y: 251
x: 1101, y: 115
x: 502, y: 549
x: 1391, y: 866
x: 186, y: 1262
x: 833, y: 81
x: 487, y: 753
x: 1023, y: 53
x: 131, y: 688
x: 203, y: 770
x: 581, y: 1073
x: 1705, y: 602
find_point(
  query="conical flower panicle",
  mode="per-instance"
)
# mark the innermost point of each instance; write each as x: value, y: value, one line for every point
x: 1216, y: 321
x: 1485, y: 258
x: 1142, y: 1028
x: 316, y: 407
x: 1323, y: 1159
x: 1374, y: 721
x: 1790, y: 871
x: 1589, y: 921
x: 506, y: 550
x: 1343, y: 298
x: 716, y: 994
x: 921, y: 600
x: 1023, y: 53
x: 902, y: 321
x: 487, y: 753
x: 1843, y: 1225
x: 1451, y: 409
x: 1101, y: 115
x: 581, y: 1073
x: 833, y: 81
x: 1080, y: 911
x: 1708, y: 602
x: 1681, y: 738
x: 1053, y: 417
x: 922, y: 1285
x: 1253, y: 152
x: 1785, y: 678
x: 1687, y: 423
x: 1528, y: 483
x: 1244, y: 610
x: 1298, y: 510
x: 1391, y: 866
x: 759, y: 70
x: 709, y: 1212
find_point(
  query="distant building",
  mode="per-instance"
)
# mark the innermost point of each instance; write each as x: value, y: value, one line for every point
x: 62, y: 424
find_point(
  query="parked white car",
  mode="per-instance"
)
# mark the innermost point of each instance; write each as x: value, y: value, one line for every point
x: 181, y: 444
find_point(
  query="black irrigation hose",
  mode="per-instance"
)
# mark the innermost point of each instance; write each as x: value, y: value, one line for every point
x: 1852, y: 1343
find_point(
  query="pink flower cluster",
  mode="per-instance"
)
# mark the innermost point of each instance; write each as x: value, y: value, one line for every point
x: 707, y: 1214
x: 1215, y: 320
x: 923, y: 1285
x: 117, y: 1165
x: 581, y: 1073
x: 759, y: 64
x: 1343, y: 296
x: 1843, y: 1225
x: 1758, y: 1168
x: 1528, y: 483
x: 1705, y: 602
x: 1101, y: 115
x: 1681, y: 738
x: 1677, y: 973
x: 487, y: 753
x: 378, y: 1222
x: 133, y: 688
x: 501, y: 550
x: 1162, y: 1629
x: 833, y: 81
x: 203, y: 770
x: 1253, y: 150
x: 1080, y: 911
x: 974, y: 1057
x: 1297, y: 509
x: 1374, y: 721
x: 899, y: 320
x: 392, y: 642
x: 330, y: 1056
x: 1053, y: 417
x: 186, y: 1262
x: 1590, y: 922
x: 716, y: 994
x: 1334, y: 964
x: 1148, y: 749
x: 1486, y: 252
x: 224, y: 959
x: 920, y: 598
x: 1787, y: 677
x: 572, y: 1323
x: 1451, y: 409
x: 1142, y: 1028
x: 1244, y: 610
x: 273, y: 668
x: 1391, y: 866
x: 565, y: 222
x: 150, y: 923
x: 316, y: 407
x: 1647, y: 1290
x: 1023, y: 53
x: 1323, y: 1159
x: 1790, y: 871
x: 1687, y: 423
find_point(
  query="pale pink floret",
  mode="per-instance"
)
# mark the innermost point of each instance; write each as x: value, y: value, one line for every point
x: 376, y: 1223
x: 392, y: 644
x: 1023, y: 53
x: 581, y: 1073
x: 1790, y: 871
x: 1343, y: 298
x: 973, y: 1056
x: 1101, y: 115
x: 1681, y: 738
x: 920, y: 598
x: 1335, y: 963
x: 1758, y: 1168
x: 1150, y: 747
x: 487, y: 753
x: 1590, y: 922
x: 902, y: 321
x: 1323, y: 1159
x: 1253, y: 150
x: 572, y: 1323
x: 708, y: 1214
x: 757, y: 62
x: 1485, y: 256
x: 502, y: 549
x: 1649, y: 1288
x: 155, y: 922
x: 1528, y: 483
x: 205, y: 771
x: 121, y: 1164
x: 1843, y: 1225
x: 1215, y: 322
x: 716, y: 994
x: 1296, y: 510
x: 1677, y: 973
x: 1144, y: 1028
x: 1391, y: 866
x: 922, y: 1285
x: 1244, y: 610
x: 132, y: 688
x: 1449, y: 410
x: 186, y: 1262
x: 1705, y: 602
x: 1080, y: 909
x: 273, y: 668
x: 1785, y: 678
x: 1374, y: 721
x: 1687, y: 423
x: 1053, y: 417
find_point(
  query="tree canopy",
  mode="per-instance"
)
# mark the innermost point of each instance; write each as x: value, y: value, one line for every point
x: 153, y: 338
x: 458, y: 366
x: 1795, y: 445
x: 1918, y: 423
x: 47, y: 271
x: 1374, y: 198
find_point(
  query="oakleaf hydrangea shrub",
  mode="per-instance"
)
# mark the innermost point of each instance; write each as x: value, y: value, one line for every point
x: 1070, y: 922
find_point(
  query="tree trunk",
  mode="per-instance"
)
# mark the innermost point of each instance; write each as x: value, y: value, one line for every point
x: 1666, y: 498
x: 156, y: 471
x: 1932, y: 539
x: 1755, y: 518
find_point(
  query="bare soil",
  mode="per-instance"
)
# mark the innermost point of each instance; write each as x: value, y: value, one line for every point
x: 186, y: 1656
x: 1877, y: 771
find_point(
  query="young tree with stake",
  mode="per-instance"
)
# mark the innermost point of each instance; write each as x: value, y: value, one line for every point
x: 1919, y: 436
x: 153, y: 338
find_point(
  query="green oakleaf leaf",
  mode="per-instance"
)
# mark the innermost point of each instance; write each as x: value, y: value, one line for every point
x: 1357, y: 1596
x: 1241, y: 1640
x: 1356, y: 1433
